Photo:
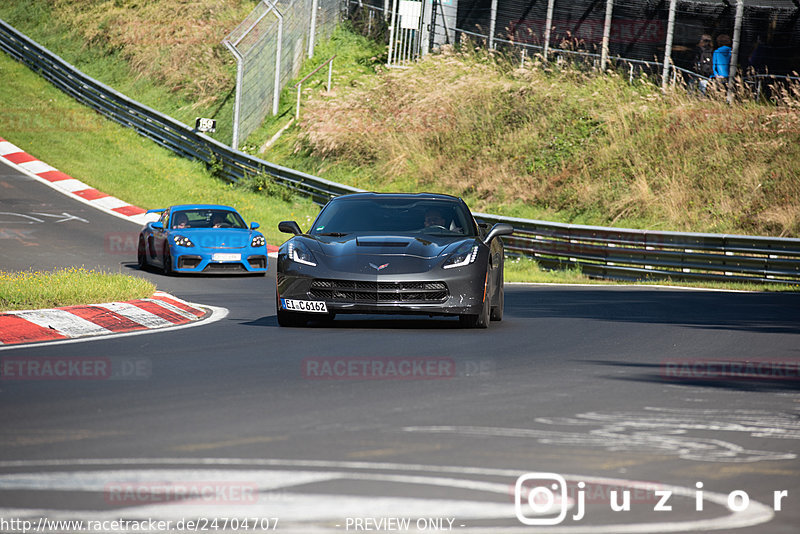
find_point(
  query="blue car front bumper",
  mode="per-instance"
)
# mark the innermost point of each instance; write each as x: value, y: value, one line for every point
x: 194, y: 260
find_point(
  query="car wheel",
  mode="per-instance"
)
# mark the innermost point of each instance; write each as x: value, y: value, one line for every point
x: 480, y: 320
x: 496, y: 313
x: 287, y: 318
x: 141, y: 255
x: 167, y: 261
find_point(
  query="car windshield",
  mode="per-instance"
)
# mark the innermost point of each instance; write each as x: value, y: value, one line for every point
x: 394, y: 216
x: 206, y: 218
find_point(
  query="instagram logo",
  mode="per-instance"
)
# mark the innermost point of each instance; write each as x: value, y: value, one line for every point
x: 537, y: 496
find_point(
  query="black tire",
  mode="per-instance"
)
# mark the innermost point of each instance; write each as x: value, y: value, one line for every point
x: 480, y: 320
x: 167, y: 257
x: 141, y: 255
x: 496, y: 313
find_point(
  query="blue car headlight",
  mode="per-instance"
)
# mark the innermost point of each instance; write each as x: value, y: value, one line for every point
x: 463, y: 255
x: 258, y: 241
x: 298, y: 251
x: 182, y: 241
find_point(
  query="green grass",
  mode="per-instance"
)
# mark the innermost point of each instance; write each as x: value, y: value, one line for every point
x: 66, y: 287
x: 566, y: 145
x: 54, y: 128
x: 145, y: 50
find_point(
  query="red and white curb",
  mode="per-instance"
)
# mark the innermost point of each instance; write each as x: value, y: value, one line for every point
x: 58, y: 324
x: 66, y: 184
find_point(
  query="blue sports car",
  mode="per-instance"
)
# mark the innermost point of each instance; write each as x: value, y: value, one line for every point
x: 202, y: 238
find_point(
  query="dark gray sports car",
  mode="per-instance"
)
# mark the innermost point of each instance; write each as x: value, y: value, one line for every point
x: 392, y: 254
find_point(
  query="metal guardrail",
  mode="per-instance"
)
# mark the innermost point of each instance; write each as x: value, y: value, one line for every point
x: 634, y: 254
x: 599, y: 251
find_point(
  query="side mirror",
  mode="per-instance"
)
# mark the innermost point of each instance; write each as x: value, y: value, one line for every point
x: 254, y: 225
x: 289, y: 227
x: 158, y: 225
x: 498, y: 230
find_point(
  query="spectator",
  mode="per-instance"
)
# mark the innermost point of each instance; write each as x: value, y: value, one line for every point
x: 704, y: 56
x: 722, y: 58
x: 703, y: 63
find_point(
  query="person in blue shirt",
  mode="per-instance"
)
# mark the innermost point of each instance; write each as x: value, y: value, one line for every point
x: 722, y: 57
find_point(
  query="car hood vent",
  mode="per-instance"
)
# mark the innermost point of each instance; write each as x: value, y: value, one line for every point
x: 380, y: 242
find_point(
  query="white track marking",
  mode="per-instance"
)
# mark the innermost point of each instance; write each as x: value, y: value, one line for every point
x: 174, y: 309
x: 7, y: 147
x: 70, y: 185
x: 136, y: 314
x: 109, y: 203
x: 36, y: 166
x: 217, y: 314
x: 659, y: 430
x: 62, y: 322
x: 323, y: 506
x: 136, y: 219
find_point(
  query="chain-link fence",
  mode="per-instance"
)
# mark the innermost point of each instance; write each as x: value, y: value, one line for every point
x: 636, y: 33
x: 269, y: 47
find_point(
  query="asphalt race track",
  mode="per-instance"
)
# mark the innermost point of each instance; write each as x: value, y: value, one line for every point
x: 401, y: 424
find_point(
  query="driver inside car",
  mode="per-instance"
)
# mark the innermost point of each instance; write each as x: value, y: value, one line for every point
x: 433, y: 217
x: 180, y: 220
x: 219, y: 220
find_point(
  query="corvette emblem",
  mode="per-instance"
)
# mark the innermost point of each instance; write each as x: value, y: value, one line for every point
x: 378, y: 267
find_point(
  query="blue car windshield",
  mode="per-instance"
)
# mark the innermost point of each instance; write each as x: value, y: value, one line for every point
x: 206, y: 218
x: 394, y: 216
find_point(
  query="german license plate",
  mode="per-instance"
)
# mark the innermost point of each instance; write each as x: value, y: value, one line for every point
x: 310, y: 306
x: 219, y: 256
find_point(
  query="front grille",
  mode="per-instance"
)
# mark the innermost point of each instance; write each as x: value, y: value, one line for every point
x: 378, y: 292
x: 224, y: 268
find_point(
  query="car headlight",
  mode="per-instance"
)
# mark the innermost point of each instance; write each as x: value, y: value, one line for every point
x: 463, y: 255
x: 182, y: 241
x: 298, y: 252
x: 258, y: 241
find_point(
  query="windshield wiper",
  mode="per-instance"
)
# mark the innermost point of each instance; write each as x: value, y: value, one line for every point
x: 334, y: 234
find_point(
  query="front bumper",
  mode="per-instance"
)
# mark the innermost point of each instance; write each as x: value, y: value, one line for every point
x: 436, y: 292
x: 192, y: 260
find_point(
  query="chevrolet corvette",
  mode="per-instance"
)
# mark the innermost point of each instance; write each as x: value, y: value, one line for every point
x: 378, y: 253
